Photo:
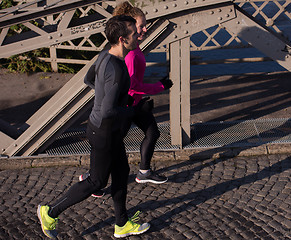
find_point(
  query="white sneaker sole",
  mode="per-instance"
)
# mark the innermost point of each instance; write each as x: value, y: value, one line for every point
x: 149, y: 181
x: 132, y: 233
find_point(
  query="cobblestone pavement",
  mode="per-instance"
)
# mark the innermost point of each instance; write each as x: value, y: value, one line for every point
x: 227, y: 198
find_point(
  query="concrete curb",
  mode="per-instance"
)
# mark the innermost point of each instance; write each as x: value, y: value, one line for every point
x: 133, y: 158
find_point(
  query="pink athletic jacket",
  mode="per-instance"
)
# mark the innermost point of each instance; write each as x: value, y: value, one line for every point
x: 136, y: 64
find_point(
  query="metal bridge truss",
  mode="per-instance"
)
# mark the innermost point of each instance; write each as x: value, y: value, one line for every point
x: 257, y: 9
x: 74, y: 24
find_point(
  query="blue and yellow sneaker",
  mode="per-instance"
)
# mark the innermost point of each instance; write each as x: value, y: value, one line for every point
x: 48, y: 224
x: 131, y: 227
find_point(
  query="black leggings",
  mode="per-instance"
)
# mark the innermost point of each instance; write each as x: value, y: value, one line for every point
x: 108, y: 156
x: 147, y: 123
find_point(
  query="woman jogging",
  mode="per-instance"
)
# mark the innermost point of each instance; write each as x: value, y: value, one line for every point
x: 136, y: 64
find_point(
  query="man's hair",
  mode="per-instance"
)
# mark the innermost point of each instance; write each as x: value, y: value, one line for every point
x: 117, y: 27
x: 125, y: 8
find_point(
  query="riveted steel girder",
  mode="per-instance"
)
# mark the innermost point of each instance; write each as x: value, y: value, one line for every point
x: 39, y: 8
x: 45, y: 39
x: 180, y: 92
x: 51, y: 31
x: 61, y: 31
x: 184, y: 24
x: 157, y: 9
x: 256, y: 34
x: 49, y: 121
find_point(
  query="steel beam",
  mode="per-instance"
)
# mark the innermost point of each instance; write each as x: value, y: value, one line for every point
x: 45, y: 39
x: 158, y: 9
x: 60, y: 32
x: 185, y: 91
x: 180, y: 92
x: 175, y: 93
x: 49, y: 121
x: 37, y: 9
x: 260, y: 37
x: 185, y: 24
x: 52, y: 31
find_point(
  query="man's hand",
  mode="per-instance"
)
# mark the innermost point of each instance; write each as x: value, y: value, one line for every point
x: 148, y: 106
x: 130, y: 100
x: 144, y: 105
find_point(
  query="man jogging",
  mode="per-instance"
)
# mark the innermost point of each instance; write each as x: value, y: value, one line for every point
x: 108, y: 156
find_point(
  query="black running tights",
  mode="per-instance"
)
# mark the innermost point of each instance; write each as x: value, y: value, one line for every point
x: 147, y: 123
x: 108, y: 156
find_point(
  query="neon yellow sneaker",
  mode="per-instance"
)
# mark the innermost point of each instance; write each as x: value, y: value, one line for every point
x: 131, y: 228
x: 48, y: 224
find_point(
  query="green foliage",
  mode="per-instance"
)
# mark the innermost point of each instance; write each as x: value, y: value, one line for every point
x: 27, y: 62
x: 7, y: 4
x: 66, y: 68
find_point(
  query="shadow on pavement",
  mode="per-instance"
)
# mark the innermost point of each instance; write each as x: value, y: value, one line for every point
x: 198, y: 197
x: 194, y: 198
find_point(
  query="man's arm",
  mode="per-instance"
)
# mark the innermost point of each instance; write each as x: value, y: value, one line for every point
x: 113, y: 88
